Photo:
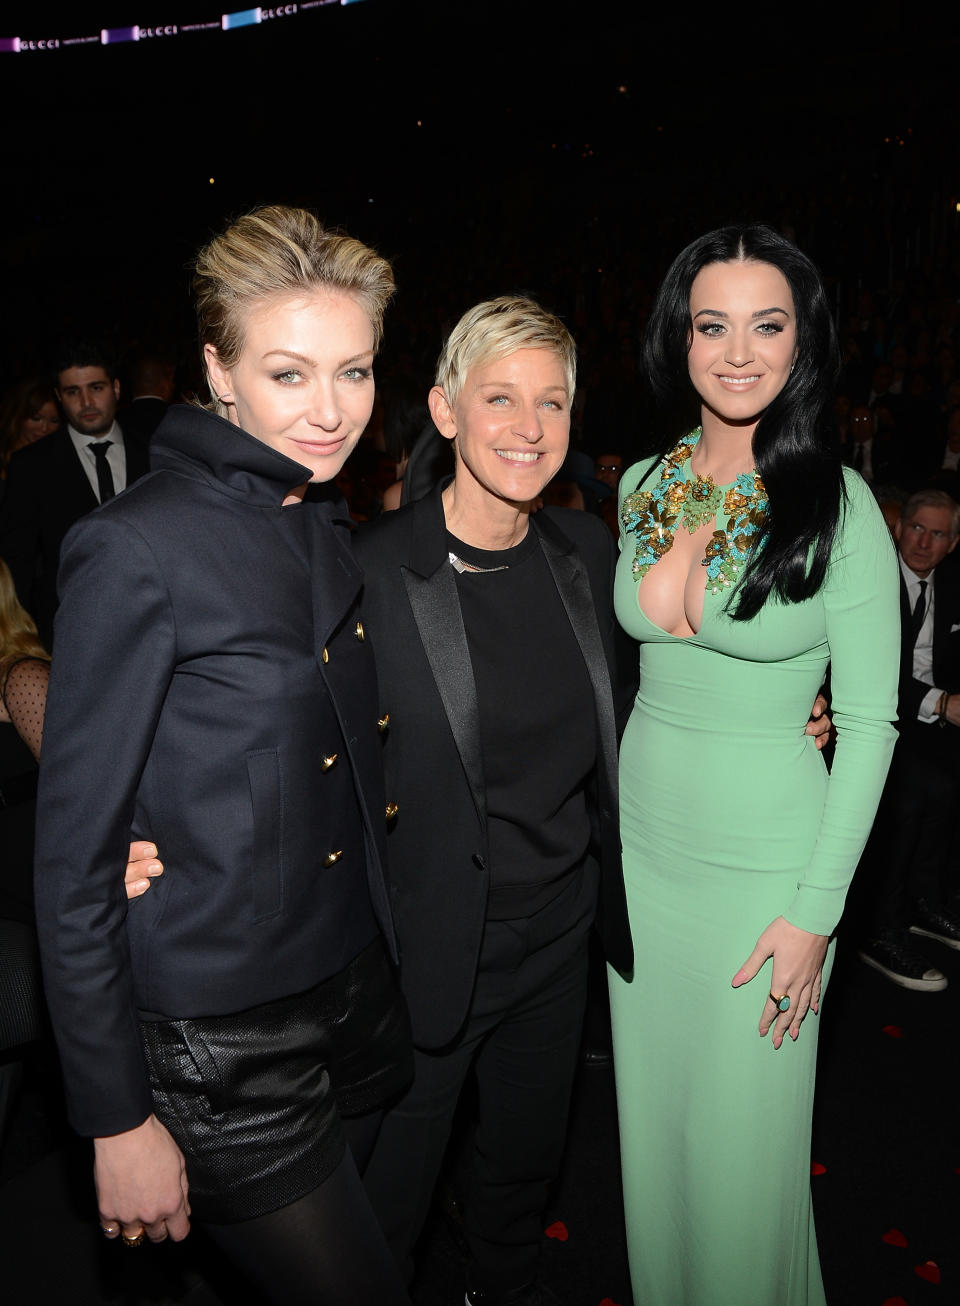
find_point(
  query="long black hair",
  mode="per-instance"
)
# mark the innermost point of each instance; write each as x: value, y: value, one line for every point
x: 793, y: 445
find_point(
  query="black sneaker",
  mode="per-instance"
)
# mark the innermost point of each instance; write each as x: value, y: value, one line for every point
x: 937, y: 923
x: 894, y: 957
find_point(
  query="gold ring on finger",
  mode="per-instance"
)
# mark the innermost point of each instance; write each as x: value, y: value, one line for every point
x: 134, y: 1240
x: 781, y: 1001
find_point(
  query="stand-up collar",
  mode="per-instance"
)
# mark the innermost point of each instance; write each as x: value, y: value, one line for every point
x: 194, y: 442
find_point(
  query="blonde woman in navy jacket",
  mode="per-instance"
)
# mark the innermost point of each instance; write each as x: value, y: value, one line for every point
x: 227, y: 1037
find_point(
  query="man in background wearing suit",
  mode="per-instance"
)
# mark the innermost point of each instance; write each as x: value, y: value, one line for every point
x: 912, y: 882
x: 152, y: 387
x: 62, y: 478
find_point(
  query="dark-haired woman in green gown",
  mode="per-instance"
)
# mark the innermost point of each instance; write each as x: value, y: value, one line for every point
x: 750, y: 561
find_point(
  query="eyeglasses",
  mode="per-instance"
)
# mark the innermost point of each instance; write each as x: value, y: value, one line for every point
x: 608, y: 467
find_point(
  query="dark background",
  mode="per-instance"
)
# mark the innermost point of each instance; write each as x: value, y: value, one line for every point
x: 487, y: 148
x: 566, y: 149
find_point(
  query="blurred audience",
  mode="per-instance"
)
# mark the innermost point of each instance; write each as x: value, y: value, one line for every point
x: 23, y: 688
x: 52, y: 483
x: 608, y: 468
x: 153, y: 390
x: 910, y: 885
x: 27, y: 414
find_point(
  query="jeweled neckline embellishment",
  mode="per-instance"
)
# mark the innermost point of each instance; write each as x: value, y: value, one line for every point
x: 677, y: 500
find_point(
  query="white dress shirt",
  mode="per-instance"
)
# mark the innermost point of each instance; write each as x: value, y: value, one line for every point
x: 116, y: 457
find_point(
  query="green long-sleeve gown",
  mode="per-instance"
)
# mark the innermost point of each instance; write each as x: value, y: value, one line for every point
x: 730, y: 819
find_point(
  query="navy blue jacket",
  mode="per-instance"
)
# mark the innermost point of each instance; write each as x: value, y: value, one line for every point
x: 210, y: 662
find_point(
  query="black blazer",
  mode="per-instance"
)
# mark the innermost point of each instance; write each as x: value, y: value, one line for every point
x: 141, y: 417
x: 47, y: 491
x: 213, y: 690
x: 437, y: 846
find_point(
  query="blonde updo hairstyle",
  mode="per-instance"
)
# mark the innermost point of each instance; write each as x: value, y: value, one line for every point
x: 272, y: 251
x: 499, y: 327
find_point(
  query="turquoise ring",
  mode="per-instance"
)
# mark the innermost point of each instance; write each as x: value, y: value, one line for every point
x: 782, y: 1003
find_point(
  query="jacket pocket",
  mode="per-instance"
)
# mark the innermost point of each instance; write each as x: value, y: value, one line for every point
x: 208, y: 1070
x: 184, y: 1078
x: 263, y: 771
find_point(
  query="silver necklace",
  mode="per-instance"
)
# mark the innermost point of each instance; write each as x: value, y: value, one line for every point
x: 459, y: 565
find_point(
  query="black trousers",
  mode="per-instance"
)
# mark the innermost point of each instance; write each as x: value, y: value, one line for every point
x: 911, y: 854
x: 521, y: 1039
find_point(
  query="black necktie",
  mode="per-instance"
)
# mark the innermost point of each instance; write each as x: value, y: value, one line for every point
x: 858, y: 457
x: 919, y: 612
x: 105, y: 488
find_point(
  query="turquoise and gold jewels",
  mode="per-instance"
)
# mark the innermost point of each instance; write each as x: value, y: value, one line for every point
x: 745, y: 505
x: 654, y: 515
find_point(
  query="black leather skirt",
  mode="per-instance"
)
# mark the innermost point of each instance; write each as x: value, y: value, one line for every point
x: 254, y: 1099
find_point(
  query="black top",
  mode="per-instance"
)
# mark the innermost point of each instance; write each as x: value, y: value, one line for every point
x: 538, y: 729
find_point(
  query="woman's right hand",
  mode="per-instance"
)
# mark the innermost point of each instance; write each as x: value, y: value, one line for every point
x: 142, y: 1183
x: 797, y: 972
x: 141, y: 868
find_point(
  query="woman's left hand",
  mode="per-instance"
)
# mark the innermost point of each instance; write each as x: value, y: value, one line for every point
x: 820, y: 723
x: 797, y: 972
x: 142, y: 867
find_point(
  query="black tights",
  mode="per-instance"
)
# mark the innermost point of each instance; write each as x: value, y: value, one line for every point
x: 325, y: 1249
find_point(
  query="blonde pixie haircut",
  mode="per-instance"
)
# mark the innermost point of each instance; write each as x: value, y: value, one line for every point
x: 278, y: 250
x: 499, y: 327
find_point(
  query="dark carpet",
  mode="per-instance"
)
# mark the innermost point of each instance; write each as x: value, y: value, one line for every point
x: 885, y: 1175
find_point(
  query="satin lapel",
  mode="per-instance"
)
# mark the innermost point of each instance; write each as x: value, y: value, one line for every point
x: 436, y: 610
x: 573, y: 583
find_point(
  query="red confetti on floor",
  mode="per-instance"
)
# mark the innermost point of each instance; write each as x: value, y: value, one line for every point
x: 817, y: 1168
x: 929, y: 1270
x: 895, y: 1238
x: 558, y: 1230
x: 893, y: 1030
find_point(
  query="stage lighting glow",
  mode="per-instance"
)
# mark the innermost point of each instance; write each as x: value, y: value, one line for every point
x: 242, y: 18
x: 120, y: 35
x: 114, y: 35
